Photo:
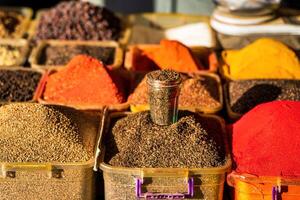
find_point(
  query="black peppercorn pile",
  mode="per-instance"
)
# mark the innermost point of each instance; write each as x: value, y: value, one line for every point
x: 61, y: 55
x: 18, y: 86
x: 77, y: 20
x: 136, y: 141
x: 246, y: 94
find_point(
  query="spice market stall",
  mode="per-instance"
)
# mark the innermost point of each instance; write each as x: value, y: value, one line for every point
x: 101, y: 104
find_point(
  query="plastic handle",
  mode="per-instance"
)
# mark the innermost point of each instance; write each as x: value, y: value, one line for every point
x: 149, y: 195
x: 276, y: 193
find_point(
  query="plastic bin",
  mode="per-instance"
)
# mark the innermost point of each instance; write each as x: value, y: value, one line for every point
x: 42, y: 87
x: 203, y: 109
x: 35, y: 96
x: 55, y: 180
x: 123, y: 40
x: 25, y: 24
x: 24, y: 50
x: 205, y: 55
x: 232, y: 115
x: 249, y: 187
x: 162, y: 183
x: 37, y: 52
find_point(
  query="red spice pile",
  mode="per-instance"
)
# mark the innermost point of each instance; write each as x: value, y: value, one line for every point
x: 84, y: 81
x: 266, y: 141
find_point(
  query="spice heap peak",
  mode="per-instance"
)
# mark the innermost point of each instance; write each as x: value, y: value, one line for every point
x: 262, y: 138
x: 84, y: 81
x: 265, y: 58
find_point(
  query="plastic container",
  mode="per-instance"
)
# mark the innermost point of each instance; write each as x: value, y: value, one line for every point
x: 35, y: 96
x: 162, y: 183
x: 42, y: 87
x: 238, y: 42
x: 55, y: 180
x: 160, y: 22
x: 249, y: 187
x: 24, y: 50
x: 205, y: 55
x: 36, y: 53
x: 206, y: 110
x: 232, y: 115
x: 25, y: 24
x: 123, y: 40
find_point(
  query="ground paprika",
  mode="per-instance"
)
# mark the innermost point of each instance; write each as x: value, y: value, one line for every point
x: 169, y: 54
x: 266, y: 140
x: 84, y: 81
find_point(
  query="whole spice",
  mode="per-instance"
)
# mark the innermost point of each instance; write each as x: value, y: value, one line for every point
x: 198, y: 91
x: 265, y: 141
x: 78, y: 20
x: 135, y: 141
x: 32, y: 132
x: 84, y: 81
x: 18, y: 85
x: 170, y: 54
x: 164, y: 88
x: 263, y: 59
x: 9, y: 55
x: 246, y: 94
x: 61, y: 55
x: 10, y: 23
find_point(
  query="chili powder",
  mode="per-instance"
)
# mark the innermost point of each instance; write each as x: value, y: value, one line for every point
x: 266, y: 140
x: 84, y: 81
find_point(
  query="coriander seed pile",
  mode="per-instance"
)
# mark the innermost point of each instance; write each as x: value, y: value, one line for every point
x: 31, y: 132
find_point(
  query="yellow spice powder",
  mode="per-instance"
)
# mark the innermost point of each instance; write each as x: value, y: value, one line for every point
x: 265, y: 58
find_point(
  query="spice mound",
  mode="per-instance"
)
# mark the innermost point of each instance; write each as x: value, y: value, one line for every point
x: 263, y: 59
x: 84, y: 81
x: 135, y: 141
x: 170, y: 54
x: 246, y: 94
x: 266, y: 140
x: 9, y: 55
x: 78, y: 20
x: 61, y: 55
x: 196, y: 91
x: 38, y: 133
x: 10, y: 23
x: 18, y: 85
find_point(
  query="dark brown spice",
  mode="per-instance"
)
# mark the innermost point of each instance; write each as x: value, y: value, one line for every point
x: 19, y: 85
x: 61, y: 55
x: 78, y: 20
x: 246, y: 94
x: 135, y: 141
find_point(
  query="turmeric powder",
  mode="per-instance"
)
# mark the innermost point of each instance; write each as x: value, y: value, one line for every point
x: 265, y: 58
